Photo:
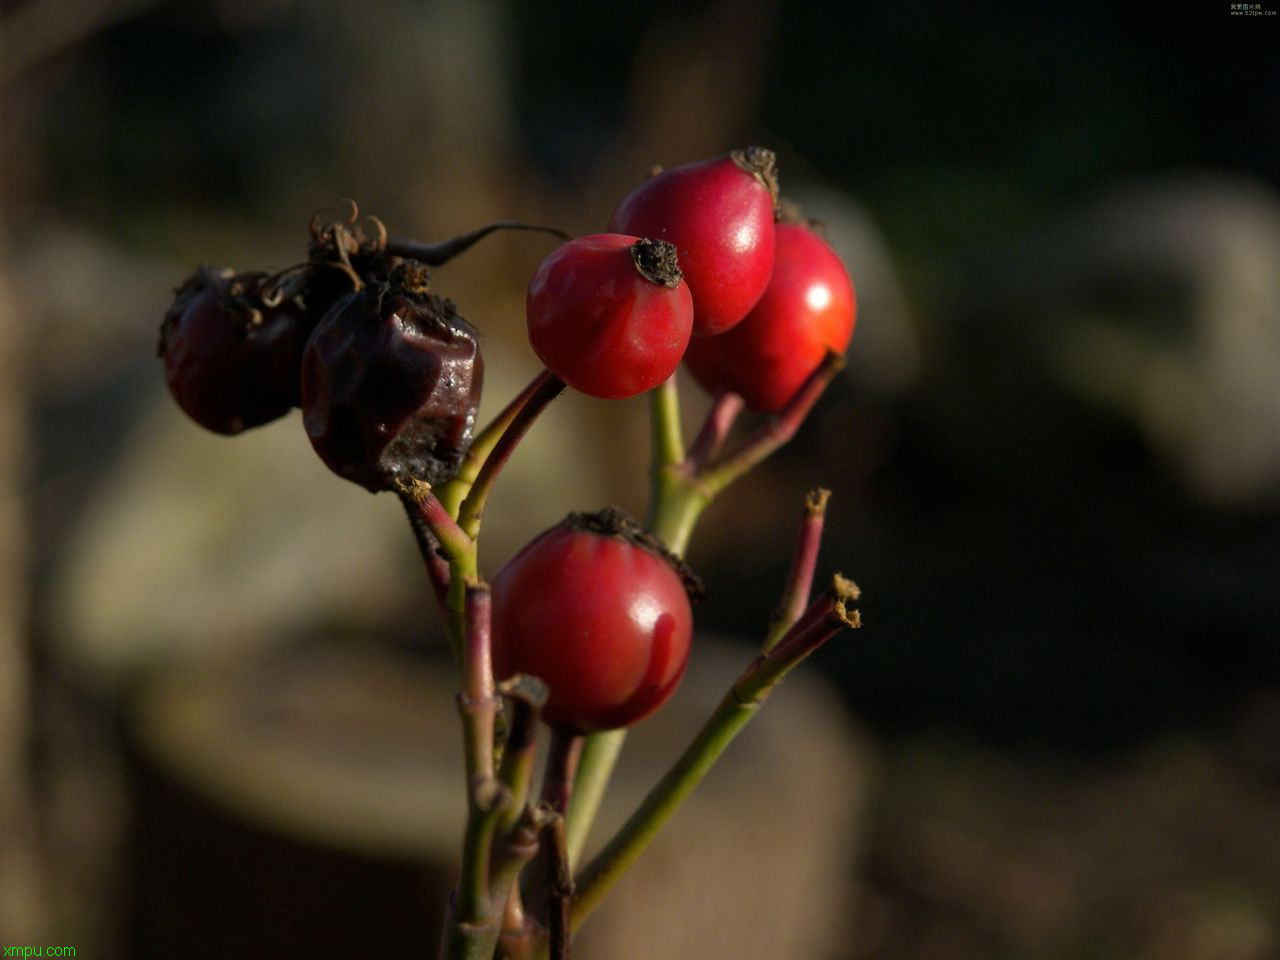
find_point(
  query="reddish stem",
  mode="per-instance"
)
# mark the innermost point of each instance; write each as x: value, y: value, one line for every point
x: 478, y: 701
x: 804, y: 561
x: 562, y: 767
x: 775, y: 431
x: 472, y: 510
x: 825, y: 617
x: 715, y: 430
x: 436, y: 565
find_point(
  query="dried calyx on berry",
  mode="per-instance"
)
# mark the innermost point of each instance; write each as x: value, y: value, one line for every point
x: 232, y: 345
x: 391, y: 383
x: 343, y: 256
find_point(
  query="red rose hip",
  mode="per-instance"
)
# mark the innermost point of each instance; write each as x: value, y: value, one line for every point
x: 609, y: 314
x: 719, y: 214
x: 594, y: 609
x: 807, y: 310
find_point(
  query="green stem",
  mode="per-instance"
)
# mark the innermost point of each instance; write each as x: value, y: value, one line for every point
x: 665, y: 438
x: 681, y: 488
x: 595, y: 768
x: 673, y: 511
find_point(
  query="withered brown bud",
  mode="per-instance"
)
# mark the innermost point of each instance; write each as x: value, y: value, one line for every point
x: 391, y: 384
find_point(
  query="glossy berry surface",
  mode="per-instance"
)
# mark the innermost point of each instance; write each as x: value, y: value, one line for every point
x: 604, y: 621
x: 231, y: 366
x: 609, y: 315
x: 807, y: 310
x: 391, y: 383
x: 719, y: 214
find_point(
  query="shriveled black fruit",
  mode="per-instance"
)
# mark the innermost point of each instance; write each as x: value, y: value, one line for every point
x: 391, y: 383
x: 232, y: 363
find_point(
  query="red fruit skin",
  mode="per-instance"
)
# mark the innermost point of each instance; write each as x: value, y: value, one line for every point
x: 808, y: 309
x: 600, y: 325
x: 720, y: 217
x: 606, y: 624
x: 229, y: 379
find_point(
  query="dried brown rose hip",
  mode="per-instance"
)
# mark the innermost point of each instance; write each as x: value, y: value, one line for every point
x: 231, y: 362
x: 391, y: 383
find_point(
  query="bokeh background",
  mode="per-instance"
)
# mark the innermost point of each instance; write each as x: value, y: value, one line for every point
x: 1055, y: 453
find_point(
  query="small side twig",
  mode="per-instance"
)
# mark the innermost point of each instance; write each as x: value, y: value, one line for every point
x: 527, y: 696
x: 724, y: 412
x: 471, y: 512
x: 804, y: 561
x: 775, y: 431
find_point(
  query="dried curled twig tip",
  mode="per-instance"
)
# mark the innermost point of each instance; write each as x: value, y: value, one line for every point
x: 851, y: 618
x: 413, y: 488
x: 844, y: 588
x: 815, y: 501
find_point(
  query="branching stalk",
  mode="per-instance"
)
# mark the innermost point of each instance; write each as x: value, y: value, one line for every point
x: 451, y: 494
x: 775, y: 431
x: 737, y: 707
x: 472, y: 510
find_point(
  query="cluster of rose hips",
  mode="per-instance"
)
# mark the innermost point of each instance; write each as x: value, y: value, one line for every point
x: 696, y: 267
x: 699, y: 265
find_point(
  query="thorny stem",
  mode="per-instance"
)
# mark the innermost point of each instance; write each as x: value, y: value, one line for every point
x: 737, y: 707
x: 804, y: 561
x: 471, y: 512
x: 437, y: 254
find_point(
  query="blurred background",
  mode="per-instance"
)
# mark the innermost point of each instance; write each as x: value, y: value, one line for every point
x: 1055, y: 458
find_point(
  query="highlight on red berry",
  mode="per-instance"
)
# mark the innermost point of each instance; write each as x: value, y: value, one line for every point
x: 609, y: 314
x: 601, y: 614
x: 720, y: 214
x: 230, y: 361
x: 808, y: 309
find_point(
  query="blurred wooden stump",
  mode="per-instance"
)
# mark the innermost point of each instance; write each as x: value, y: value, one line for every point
x: 311, y: 806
